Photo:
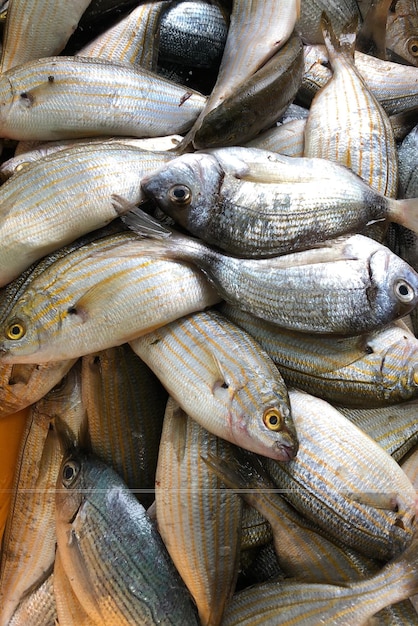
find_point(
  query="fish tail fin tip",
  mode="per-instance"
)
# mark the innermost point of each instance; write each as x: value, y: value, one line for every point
x: 140, y: 222
x: 405, y: 212
x: 346, y: 43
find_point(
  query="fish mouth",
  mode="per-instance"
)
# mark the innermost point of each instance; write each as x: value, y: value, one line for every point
x: 285, y: 452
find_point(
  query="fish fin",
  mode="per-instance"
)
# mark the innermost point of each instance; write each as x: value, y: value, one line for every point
x: 404, y: 212
x: 220, y: 376
x: 140, y: 222
x: 371, y: 38
x: 243, y: 471
x: 345, y: 44
x: 66, y: 437
x: 377, y: 500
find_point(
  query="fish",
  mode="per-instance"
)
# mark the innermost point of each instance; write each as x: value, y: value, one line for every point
x: 109, y: 549
x: 371, y: 38
x: 37, y: 29
x: 256, y: 203
x: 199, y: 522
x: 69, y: 610
x: 227, y: 383
x: 63, y: 96
x: 63, y: 309
x: 38, y: 608
x: 402, y: 32
x: 365, y: 371
x: 90, y: 174
x: 370, y: 286
x: 354, y: 131
x: 334, y: 605
x: 340, y: 12
x: 125, y: 404
x: 362, y: 498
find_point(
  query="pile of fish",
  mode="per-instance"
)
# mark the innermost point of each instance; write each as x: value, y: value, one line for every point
x: 208, y: 296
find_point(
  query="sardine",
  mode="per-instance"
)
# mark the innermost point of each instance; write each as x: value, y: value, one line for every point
x: 227, y: 383
x: 63, y: 97
x: 345, y: 482
x: 96, y: 296
x: 370, y: 286
x: 256, y: 203
x: 111, y: 551
x: 199, y: 521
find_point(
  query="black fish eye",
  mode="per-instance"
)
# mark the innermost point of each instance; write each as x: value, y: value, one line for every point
x: 413, y: 47
x: 70, y: 472
x: 403, y: 291
x: 180, y: 194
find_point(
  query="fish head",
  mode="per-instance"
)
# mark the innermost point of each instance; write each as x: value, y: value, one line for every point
x: 397, y: 350
x: 69, y: 494
x: 19, y: 339
x: 393, y: 289
x: 260, y: 419
x: 186, y: 188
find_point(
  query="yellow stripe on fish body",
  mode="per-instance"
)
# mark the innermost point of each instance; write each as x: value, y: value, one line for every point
x: 64, y: 97
x: 222, y: 378
x: 101, y: 295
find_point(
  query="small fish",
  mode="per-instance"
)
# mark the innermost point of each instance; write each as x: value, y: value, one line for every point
x: 227, y: 383
x: 256, y: 203
x: 110, y: 548
x: 370, y: 286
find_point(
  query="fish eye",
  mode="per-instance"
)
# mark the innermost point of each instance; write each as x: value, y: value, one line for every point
x: 272, y: 418
x: 70, y: 472
x: 15, y: 330
x: 403, y: 291
x: 180, y: 194
x: 413, y: 47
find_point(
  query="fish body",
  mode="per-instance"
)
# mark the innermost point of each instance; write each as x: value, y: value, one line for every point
x: 226, y: 382
x: 111, y: 551
x: 255, y: 203
x: 340, y: 12
x: 38, y: 608
x: 98, y: 97
x: 64, y: 305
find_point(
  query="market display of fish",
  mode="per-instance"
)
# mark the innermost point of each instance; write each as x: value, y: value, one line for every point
x: 208, y: 312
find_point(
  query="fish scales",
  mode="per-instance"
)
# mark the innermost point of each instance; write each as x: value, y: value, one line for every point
x: 98, y: 97
x: 69, y: 610
x: 38, y: 608
x: 220, y: 376
x: 199, y: 521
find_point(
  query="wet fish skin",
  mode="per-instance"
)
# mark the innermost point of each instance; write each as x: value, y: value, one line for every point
x: 370, y: 285
x: 200, y: 522
x: 84, y: 178
x: 98, y: 97
x: 63, y: 307
x: 373, y: 370
x: 242, y: 400
x: 37, y: 29
x: 339, y: 12
x: 38, y: 608
x: 355, y: 130
x: 366, y: 502
x: 69, y: 610
x: 91, y: 502
x: 402, y: 31
x: 256, y: 203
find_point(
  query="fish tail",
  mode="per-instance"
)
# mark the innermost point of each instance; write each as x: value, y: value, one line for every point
x: 404, y: 212
x: 345, y: 44
x: 242, y: 473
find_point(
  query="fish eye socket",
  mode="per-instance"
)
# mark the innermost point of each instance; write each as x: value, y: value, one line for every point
x: 180, y: 194
x: 404, y: 291
x: 70, y: 472
x: 413, y: 47
x: 15, y: 330
x: 273, y: 419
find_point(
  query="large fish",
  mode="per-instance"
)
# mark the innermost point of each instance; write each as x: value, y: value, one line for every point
x: 227, y: 383
x: 63, y: 97
x: 111, y: 551
x: 347, y: 286
x: 256, y: 203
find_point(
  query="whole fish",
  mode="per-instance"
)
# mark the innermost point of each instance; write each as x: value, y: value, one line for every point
x: 84, y: 178
x: 111, y: 551
x: 256, y: 203
x: 372, y: 370
x: 370, y: 286
x: 200, y: 522
x: 354, y: 131
x: 64, y: 307
x: 293, y: 604
x: 227, y: 383
x: 63, y: 97
x: 364, y: 501
x: 37, y: 29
